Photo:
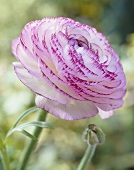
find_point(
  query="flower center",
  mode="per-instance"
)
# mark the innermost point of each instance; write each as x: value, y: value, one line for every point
x: 78, y: 40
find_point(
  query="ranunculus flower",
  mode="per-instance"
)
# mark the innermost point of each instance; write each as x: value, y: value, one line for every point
x: 71, y: 67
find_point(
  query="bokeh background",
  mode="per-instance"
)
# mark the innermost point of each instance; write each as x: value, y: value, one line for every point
x: 62, y: 148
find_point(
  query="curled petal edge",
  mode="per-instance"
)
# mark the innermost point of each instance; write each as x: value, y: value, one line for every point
x: 73, y: 110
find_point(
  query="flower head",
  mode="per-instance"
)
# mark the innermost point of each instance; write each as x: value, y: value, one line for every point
x: 71, y: 67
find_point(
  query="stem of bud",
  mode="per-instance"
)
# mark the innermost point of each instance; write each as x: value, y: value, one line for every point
x: 87, y: 157
x: 93, y: 136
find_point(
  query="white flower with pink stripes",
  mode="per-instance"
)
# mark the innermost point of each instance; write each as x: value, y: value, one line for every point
x: 71, y: 67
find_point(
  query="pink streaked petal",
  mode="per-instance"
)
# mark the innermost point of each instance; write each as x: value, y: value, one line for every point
x: 113, y: 105
x: 47, y: 60
x: 27, y: 59
x: 27, y: 33
x: 111, y: 93
x: 56, y: 50
x: 63, y: 39
x: 106, y: 114
x: 63, y: 86
x: 73, y: 110
x: 101, y: 89
x: 74, y: 61
x: 117, y: 94
x: 47, y: 38
x: 80, y: 63
x: 61, y: 65
x: 74, y: 27
x: 39, y: 86
x: 112, y: 68
x: 15, y: 43
x: 97, y: 37
x: 42, y: 27
x: 100, y: 98
x: 111, y: 84
x: 107, y: 92
x: 83, y: 90
x: 114, y: 56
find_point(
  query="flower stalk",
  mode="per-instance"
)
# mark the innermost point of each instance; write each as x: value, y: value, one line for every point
x: 87, y: 157
x: 5, y: 158
x: 32, y: 144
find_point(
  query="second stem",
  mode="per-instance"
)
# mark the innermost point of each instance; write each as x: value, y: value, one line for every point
x: 87, y: 157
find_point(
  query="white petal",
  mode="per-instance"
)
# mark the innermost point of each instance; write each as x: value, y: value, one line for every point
x: 73, y: 110
x: 106, y: 114
x: 39, y: 86
x: 26, y: 35
x: 15, y: 43
x: 26, y: 57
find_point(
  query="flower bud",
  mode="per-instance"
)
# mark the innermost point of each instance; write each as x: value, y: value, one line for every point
x: 93, y: 135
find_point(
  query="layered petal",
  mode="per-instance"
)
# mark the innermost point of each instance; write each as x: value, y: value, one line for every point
x: 106, y: 114
x: 15, y: 43
x: 39, y: 86
x: 73, y: 110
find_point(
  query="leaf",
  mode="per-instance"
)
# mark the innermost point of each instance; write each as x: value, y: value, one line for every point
x: 34, y: 123
x: 26, y: 113
x: 23, y: 132
x: 38, y: 124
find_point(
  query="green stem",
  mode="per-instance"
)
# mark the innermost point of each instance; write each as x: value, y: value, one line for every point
x: 5, y: 158
x: 32, y: 144
x: 87, y: 157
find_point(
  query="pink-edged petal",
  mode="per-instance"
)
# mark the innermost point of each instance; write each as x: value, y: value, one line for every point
x: 26, y: 35
x: 113, y: 105
x: 27, y: 59
x: 39, y: 86
x: 63, y: 86
x: 106, y: 114
x: 43, y: 27
x: 25, y: 56
x: 15, y: 43
x: 73, y: 110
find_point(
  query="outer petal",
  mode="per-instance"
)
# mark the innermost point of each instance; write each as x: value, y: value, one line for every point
x: 27, y: 59
x: 39, y: 86
x: 106, y: 114
x: 27, y: 33
x: 15, y: 43
x: 73, y: 110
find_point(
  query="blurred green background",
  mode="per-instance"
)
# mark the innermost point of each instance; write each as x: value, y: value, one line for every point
x: 62, y: 148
